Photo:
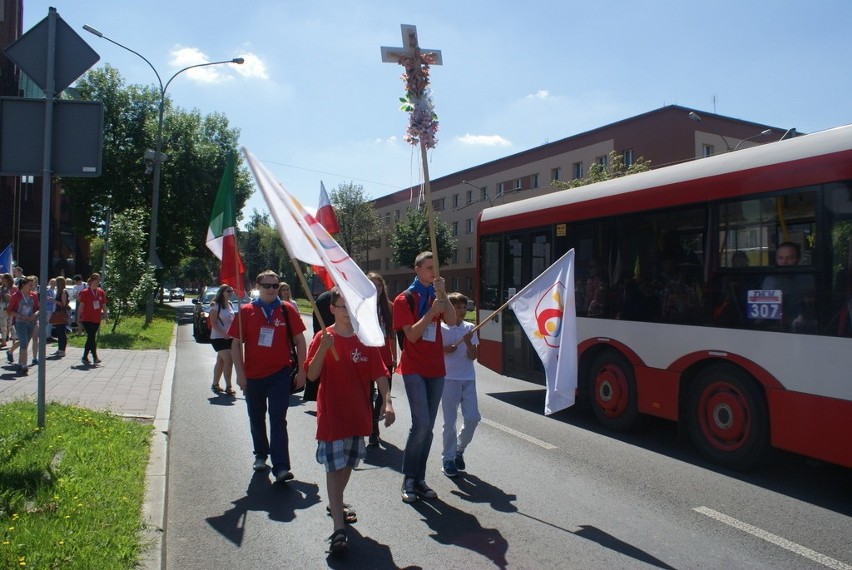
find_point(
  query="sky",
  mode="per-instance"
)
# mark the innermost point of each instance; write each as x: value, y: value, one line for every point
x: 314, y: 102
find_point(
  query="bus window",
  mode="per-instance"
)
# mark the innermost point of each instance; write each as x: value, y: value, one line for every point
x: 838, y: 205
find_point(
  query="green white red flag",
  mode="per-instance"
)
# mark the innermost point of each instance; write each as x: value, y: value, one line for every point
x: 222, y: 232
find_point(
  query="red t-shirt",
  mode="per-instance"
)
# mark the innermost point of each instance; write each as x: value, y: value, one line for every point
x: 15, y: 300
x: 262, y: 361
x: 422, y: 357
x: 88, y: 298
x: 343, y: 400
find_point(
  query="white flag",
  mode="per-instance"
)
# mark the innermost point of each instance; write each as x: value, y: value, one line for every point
x: 545, y: 311
x: 307, y: 241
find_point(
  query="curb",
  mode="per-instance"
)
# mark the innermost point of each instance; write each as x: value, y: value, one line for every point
x: 156, y: 475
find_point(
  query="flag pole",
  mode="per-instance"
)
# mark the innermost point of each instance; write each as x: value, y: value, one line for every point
x: 237, y: 255
x: 430, y: 217
x: 300, y: 274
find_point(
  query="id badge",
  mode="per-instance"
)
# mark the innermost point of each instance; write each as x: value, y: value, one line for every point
x: 430, y: 334
x: 96, y: 305
x: 265, y: 338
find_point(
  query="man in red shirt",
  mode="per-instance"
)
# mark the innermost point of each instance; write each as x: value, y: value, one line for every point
x: 421, y: 365
x: 344, y: 412
x: 263, y: 372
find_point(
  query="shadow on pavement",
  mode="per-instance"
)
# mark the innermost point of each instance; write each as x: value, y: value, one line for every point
x: 364, y: 552
x: 280, y: 501
x: 475, y: 490
x: 386, y: 455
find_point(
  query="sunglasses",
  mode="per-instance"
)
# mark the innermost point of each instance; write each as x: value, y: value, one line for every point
x: 269, y: 285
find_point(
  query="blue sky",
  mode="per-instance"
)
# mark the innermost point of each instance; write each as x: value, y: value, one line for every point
x: 315, y: 102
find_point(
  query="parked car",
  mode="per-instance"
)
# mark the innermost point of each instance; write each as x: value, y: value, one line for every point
x: 176, y: 294
x: 200, y: 329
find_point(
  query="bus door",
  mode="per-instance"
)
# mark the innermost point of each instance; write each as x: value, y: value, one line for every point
x: 528, y: 254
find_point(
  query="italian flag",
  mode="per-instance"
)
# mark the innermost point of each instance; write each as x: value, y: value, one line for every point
x: 222, y: 233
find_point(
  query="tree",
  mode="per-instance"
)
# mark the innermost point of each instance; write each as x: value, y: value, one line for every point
x: 130, y: 279
x: 412, y: 237
x: 359, y: 225
x: 600, y: 172
x: 262, y: 249
x: 196, y: 147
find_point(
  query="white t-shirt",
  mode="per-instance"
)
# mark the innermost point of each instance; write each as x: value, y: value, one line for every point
x: 224, y: 320
x: 75, y: 290
x: 458, y: 365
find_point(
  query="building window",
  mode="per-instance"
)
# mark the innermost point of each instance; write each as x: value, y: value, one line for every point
x: 469, y: 225
x: 396, y: 216
x: 387, y: 263
x: 468, y: 282
x: 468, y: 255
x: 470, y: 196
x: 500, y: 189
x: 455, y: 228
x: 483, y: 193
x: 555, y: 174
x: 455, y: 256
x: 601, y: 160
x: 577, y: 169
x: 534, y: 181
x: 454, y: 284
x: 628, y: 157
x: 707, y: 150
x: 518, y: 184
x: 438, y: 205
x: 455, y: 200
x: 387, y: 218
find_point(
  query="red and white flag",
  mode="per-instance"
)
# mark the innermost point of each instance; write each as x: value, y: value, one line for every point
x: 222, y: 232
x: 308, y: 241
x: 546, y: 313
x: 328, y: 219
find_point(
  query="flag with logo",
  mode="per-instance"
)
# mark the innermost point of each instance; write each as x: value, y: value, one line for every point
x: 222, y: 233
x: 546, y: 313
x: 328, y: 219
x: 6, y: 260
x: 308, y: 241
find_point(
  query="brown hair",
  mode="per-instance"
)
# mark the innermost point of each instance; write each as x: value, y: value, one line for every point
x: 267, y: 273
x: 457, y: 299
x: 421, y: 257
x: 383, y: 302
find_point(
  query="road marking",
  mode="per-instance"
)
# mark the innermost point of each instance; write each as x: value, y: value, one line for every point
x: 774, y: 539
x: 516, y: 433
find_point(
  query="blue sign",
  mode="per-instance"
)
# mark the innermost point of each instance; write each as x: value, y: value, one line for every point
x: 764, y: 304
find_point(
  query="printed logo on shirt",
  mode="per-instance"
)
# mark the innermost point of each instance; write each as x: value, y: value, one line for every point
x: 357, y: 356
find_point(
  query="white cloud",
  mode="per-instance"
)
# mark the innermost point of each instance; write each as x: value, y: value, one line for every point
x: 540, y: 94
x: 483, y: 140
x: 253, y: 67
x: 183, y: 57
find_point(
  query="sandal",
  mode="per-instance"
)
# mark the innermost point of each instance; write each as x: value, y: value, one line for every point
x: 216, y: 388
x: 349, y: 514
x: 231, y: 392
x: 338, y: 541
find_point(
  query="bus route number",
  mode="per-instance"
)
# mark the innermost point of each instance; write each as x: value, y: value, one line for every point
x: 765, y: 304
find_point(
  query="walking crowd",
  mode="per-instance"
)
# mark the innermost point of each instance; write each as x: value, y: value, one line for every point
x: 20, y: 309
x: 263, y: 342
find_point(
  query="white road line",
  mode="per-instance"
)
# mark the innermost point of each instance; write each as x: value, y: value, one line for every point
x: 774, y: 539
x: 516, y: 433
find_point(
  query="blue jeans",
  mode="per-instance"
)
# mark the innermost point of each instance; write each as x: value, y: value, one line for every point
x: 424, y: 398
x: 273, y: 390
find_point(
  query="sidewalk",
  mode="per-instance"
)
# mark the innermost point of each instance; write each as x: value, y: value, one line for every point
x: 130, y: 383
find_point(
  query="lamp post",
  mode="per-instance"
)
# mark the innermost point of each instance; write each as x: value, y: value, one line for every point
x: 487, y: 197
x: 158, y: 157
x: 762, y: 133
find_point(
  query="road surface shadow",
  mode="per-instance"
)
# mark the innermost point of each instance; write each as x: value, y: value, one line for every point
x: 280, y: 501
x: 365, y: 552
x: 385, y: 455
x: 474, y: 490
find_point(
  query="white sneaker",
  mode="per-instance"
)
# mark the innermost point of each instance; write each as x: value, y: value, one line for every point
x: 260, y: 464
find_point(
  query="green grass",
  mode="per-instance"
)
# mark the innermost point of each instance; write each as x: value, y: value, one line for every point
x: 70, y: 494
x: 132, y: 332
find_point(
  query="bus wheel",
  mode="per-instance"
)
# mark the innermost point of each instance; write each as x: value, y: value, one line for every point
x: 728, y: 421
x: 612, y: 392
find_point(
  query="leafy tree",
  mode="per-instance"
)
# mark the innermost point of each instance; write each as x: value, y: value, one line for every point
x: 262, y: 248
x: 196, y: 147
x: 359, y: 225
x: 412, y: 237
x: 130, y: 279
x: 613, y: 169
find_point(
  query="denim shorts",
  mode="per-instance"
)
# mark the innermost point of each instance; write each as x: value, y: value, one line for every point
x: 335, y: 455
x: 24, y: 329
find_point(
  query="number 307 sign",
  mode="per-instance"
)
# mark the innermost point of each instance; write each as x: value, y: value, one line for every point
x: 764, y: 304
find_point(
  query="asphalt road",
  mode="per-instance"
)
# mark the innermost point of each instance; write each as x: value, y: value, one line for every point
x: 557, y: 492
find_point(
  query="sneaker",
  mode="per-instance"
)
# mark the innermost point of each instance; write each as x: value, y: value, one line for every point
x: 409, y: 495
x: 424, y: 491
x: 460, y: 462
x: 23, y: 370
x: 450, y: 469
x: 283, y: 476
x: 260, y: 464
x: 60, y: 353
x: 96, y: 359
x: 85, y: 361
x: 374, y: 441
x: 9, y: 358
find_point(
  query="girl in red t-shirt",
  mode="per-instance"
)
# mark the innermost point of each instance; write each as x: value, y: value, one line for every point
x: 91, y: 308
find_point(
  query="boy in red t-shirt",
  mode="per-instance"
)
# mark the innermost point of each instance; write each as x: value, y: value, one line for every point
x: 344, y: 414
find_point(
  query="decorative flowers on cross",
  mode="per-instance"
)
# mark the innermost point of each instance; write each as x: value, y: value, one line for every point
x: 422, y: 121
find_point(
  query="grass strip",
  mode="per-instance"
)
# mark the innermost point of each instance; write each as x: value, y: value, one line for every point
x: 132, y: 332
x: 70, y: 494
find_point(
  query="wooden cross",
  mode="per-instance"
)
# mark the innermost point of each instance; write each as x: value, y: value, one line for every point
x: 411, y: 49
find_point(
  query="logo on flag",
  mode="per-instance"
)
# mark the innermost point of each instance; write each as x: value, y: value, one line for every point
x: 548, y: 315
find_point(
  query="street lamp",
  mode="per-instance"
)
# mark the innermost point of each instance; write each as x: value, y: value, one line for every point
x: 158, y: 157
x: 762, y: 133
x: 487, y: 197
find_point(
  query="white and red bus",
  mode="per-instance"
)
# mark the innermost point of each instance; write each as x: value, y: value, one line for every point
x: 716, y: 293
